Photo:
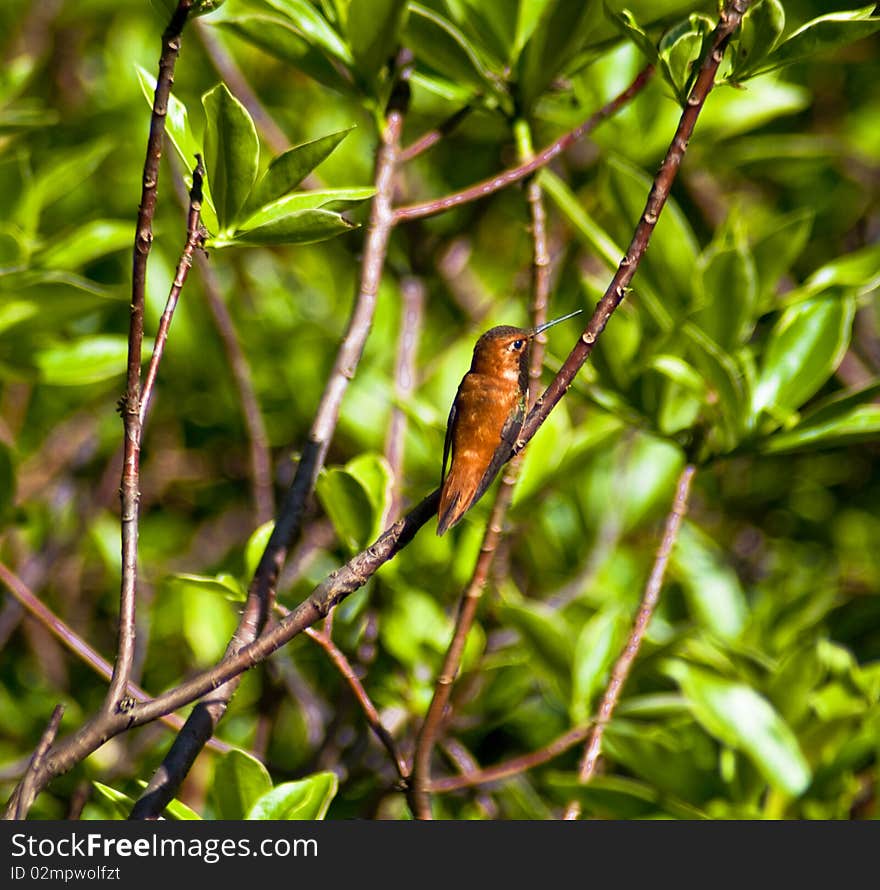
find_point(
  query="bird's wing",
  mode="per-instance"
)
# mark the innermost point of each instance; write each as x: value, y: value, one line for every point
x: 447, y: 444
x: 509, y: 434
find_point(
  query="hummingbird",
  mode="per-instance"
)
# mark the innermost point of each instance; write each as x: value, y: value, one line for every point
x: 486, y: 417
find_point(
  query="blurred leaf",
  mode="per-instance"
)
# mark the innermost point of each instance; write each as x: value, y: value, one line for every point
x: 85, y: 361
x: 209, y: 620
x: 776, y: 251
x: 278, y: 37
x: 820, y: 35
x: 232, y: 152
x: 629, y: 27
x: 713, y: 588
x: 312, y: 25
x: 87, y: 243
x: 842, y: 420
x: 7, y: 480
x: 306, y: 799
x: 859, y: 270
x: 561, y: 31
x: 224, y: 584
x: 120, y: 803
x: 598, y: 646
x: 240, y: 780
x: 803, y: 349
x: 289, y: 169
x: 544, y: 633
x: 439, y: 43
x: 373, y: 31
x: 738, y: 716
x: 727, y: 295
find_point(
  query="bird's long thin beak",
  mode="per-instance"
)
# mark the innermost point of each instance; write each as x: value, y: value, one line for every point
x: 549, y: 324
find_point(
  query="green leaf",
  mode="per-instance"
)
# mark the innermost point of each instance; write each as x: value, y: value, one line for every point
x: 240, y: 780
x: 313, y: 26
x: 278, y: 37
x: 303, y: 227
x: 563, y: 29
x: 355, y: 497
x: 803, y: 349
x: 825, y: 33
x: 306, y: 799
x: 680, y: 49
x: 86, y: 360
x: 373, y: 31
x: 598, y: 645
x: 776, y: 251
x: 738, y: 716
x: 89, y: 242
x: 712, y: 586
x: 179, y: 130
x: 256, y: 546
x: 544, y: 633
x: 289, y: 169
x: 440, y: 44
x: 224, y: 584
x: 626, y: 23
x: 842, y: 420
x: 727, y: 293
x: 232, y: 152
x: 859, y: 270
x: 323, y: 199
x: 759, y: 32
x: 120, y: 803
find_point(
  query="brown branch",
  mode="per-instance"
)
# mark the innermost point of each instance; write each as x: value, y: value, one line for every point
x: 364, y: 565
x: 129, y: 493
x: 26, y: 791
x: 78, y: 646
x: 432, y: 137
x: 515, y: 765
x: 344, y: 667
x: 624, y: 663
x: 421, y: 774
x: 521, y: 171
x: 195, y: 236
x: 261, y: 460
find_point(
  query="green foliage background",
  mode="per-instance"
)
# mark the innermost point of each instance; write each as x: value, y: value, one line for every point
x: 748, y: 345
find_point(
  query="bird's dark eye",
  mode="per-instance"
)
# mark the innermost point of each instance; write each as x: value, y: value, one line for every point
x: 518, y: 344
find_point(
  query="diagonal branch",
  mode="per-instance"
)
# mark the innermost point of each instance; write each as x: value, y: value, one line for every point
x: 624, y: 663
x: 26, y: 792
x: 521, y: 171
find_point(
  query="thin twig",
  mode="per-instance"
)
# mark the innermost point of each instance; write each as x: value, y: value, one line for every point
x: 521, y: 171
x: 195, y: 236
x: 26, y: 791
x: 344, y: 667
x: 130, y: 406
x: 624, y: 663
x: 432, y: 137
x: 515, y: 765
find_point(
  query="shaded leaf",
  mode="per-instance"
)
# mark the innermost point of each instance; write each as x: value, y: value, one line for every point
x: 240, y: 780
x: 373, y: 30
x: 86, y: 360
